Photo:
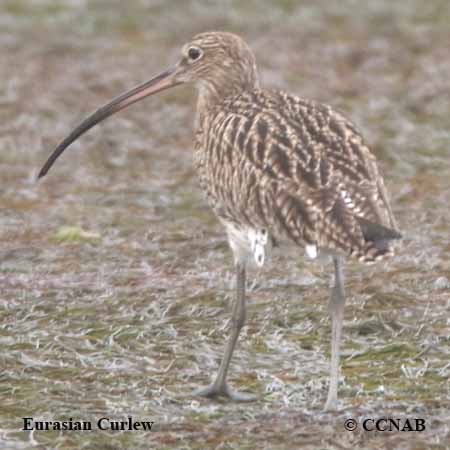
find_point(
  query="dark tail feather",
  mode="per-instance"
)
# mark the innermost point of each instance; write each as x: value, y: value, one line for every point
x: 379, y: 235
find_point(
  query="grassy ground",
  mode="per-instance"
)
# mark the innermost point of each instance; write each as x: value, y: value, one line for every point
x: 116, y: 279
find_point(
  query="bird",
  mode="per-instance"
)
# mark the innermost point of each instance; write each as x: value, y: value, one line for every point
x: 277, y: 169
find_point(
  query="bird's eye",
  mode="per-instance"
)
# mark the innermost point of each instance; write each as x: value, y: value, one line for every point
x: 194, y: 53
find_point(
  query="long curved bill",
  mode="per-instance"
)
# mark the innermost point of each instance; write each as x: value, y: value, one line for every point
x: 162, y: 81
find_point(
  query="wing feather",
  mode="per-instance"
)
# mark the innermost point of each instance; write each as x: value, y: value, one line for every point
x: 299, y: 168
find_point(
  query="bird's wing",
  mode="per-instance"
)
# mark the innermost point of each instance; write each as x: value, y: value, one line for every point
x: 300, y: 168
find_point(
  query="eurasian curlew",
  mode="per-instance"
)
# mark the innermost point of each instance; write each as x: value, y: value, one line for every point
x: 275, y: 168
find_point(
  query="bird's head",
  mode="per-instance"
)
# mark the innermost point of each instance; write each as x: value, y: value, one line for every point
x: 218, y: 63
x: 217, y: 59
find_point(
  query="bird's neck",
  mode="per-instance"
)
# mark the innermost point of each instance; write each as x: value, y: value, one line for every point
x: 212, y: 93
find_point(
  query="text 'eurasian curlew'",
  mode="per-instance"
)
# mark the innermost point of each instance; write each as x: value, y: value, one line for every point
x: 275, y: 168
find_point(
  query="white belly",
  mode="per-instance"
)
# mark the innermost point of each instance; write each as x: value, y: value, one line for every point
x: 253, y: 247
x: 249, y: 245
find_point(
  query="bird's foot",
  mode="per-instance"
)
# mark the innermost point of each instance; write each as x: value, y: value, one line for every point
x: 215, y: 390
x: 331, y: 404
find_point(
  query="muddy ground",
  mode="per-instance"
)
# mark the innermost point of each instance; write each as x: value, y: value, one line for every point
x: 116, y: 279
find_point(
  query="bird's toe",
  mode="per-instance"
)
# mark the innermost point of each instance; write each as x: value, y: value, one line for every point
x: 215, y: 390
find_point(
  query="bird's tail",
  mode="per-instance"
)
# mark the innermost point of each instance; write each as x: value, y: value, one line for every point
x: 378, y: 241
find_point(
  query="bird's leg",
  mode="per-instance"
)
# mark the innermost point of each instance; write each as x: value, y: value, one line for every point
x: 220, y: 386
x: 337, y: 303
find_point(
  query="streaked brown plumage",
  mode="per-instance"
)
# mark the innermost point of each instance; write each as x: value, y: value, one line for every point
x: 274, y: 161
x: 274, y: 167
